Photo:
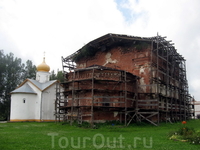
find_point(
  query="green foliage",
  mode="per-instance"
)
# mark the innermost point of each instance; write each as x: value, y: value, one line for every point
x: 186, y: 131
x: 109, y: 124
x: 83, y: 125
x: 29, y: 70
x: 194, y: 139
x: 12, y: 73
x: 186, y: 134
x: 53, y: 75
x: 59, y: 76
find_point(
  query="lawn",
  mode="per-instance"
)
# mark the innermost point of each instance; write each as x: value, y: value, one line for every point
x: 47, y: 136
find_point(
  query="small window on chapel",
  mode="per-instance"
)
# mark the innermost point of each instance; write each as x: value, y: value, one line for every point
x: 24, y: 100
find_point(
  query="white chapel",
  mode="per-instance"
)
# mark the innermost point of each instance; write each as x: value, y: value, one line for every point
x: 34, y: 100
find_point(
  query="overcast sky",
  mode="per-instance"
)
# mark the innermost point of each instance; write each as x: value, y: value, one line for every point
x: 60, y: 27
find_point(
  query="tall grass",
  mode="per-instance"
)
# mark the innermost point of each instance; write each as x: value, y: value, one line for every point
x: 47, y: 136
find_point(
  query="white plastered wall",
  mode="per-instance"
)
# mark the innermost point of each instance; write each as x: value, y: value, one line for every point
x: 42, y: 76
x: 37, y: 107
x: 22, y: 107
x: 37, y: 101
x: 48, y: 104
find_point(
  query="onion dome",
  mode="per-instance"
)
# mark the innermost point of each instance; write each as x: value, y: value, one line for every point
x: 43, y: 66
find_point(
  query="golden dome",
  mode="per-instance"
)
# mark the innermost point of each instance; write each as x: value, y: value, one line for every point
x: 43, y: 66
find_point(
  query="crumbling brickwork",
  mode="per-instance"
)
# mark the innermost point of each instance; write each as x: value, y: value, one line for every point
x: 128, y: 79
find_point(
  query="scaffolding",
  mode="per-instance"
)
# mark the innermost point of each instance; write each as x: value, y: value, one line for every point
x: 166, y: 97
x: 85, y: 94
x: 170, y: 79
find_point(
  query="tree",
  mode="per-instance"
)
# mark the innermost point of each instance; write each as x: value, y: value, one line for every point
x: 30, y: 70
x: 2, y: 73
x: 2, y: 83
x: 12, y: 73
x: 59, y: 76
x: 53, y: 75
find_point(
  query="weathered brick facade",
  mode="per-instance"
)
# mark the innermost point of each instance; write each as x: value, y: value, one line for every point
x: 119, y: 77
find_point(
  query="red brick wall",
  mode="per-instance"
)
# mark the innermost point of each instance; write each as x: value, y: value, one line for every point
x: 128, y: 59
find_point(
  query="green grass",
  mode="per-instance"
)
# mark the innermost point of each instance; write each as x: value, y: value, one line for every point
x: 47, y: 136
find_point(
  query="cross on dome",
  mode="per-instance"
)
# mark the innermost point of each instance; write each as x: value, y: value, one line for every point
x: 43, y: 66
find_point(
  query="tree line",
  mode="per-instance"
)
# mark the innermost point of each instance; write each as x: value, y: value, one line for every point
x: 13, y: 72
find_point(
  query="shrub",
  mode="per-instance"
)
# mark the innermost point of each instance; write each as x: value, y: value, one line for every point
x: 186, y: 134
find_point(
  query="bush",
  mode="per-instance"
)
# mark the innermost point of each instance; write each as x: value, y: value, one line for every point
x: 186, y: 134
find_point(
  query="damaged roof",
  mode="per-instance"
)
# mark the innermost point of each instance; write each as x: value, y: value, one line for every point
x: 109, y: 40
